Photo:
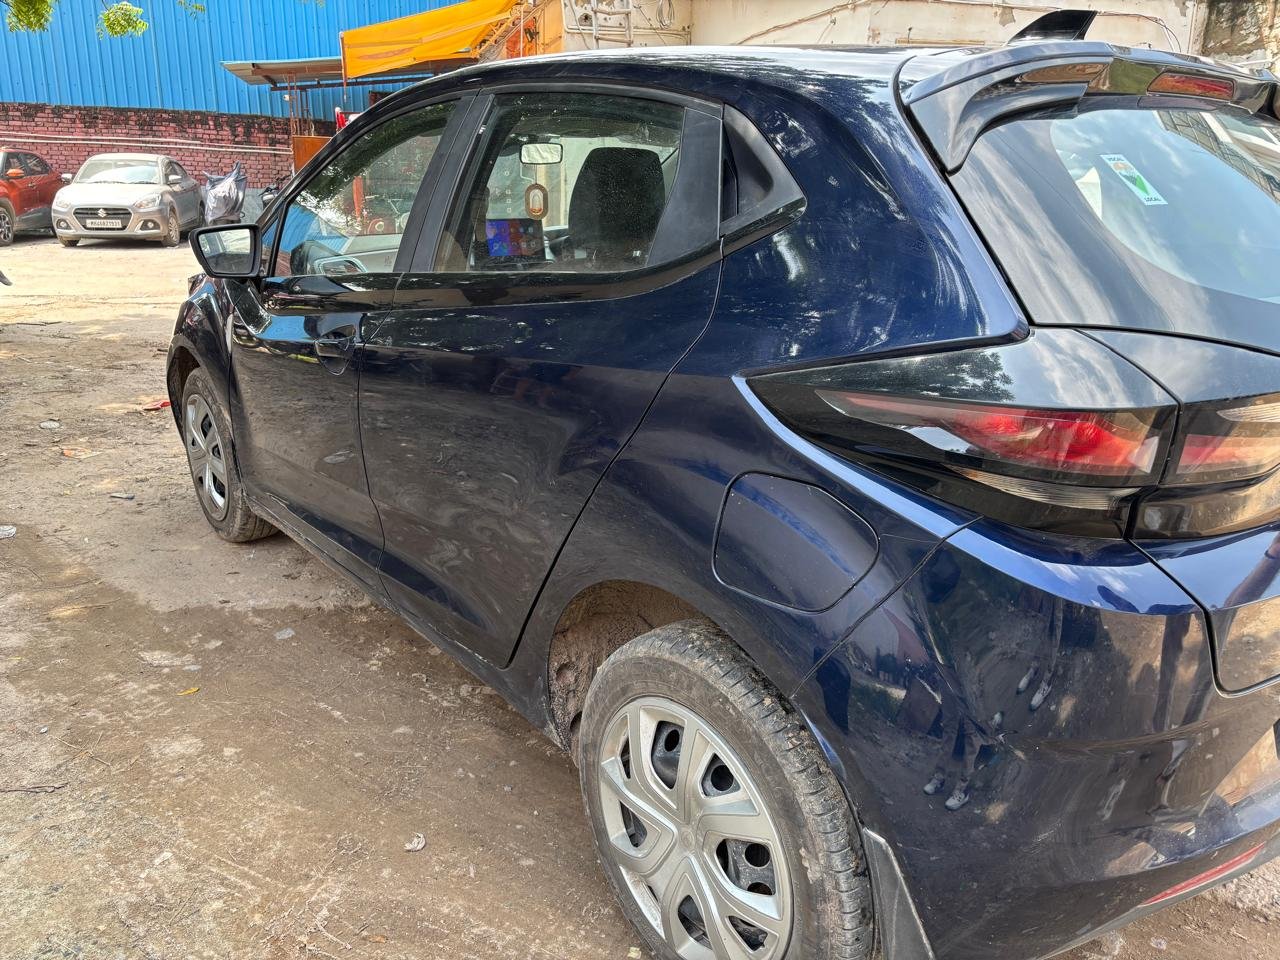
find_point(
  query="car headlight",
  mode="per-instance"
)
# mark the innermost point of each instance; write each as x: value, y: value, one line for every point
x: 149, y: 202
x: 59, y: 203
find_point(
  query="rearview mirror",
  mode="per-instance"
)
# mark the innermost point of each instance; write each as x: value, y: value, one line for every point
x: 231, y: 251
x: 537, y: 154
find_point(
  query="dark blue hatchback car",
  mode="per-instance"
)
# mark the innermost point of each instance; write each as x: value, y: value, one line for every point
x: 863, y: 461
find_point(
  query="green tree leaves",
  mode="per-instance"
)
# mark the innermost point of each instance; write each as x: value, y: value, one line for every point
x: 118, y: 19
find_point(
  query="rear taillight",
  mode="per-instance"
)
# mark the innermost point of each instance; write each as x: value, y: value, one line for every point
x: 1055, y: 430
x: 1236, y: 441
x: 1090, y: 443
x: 1209, y: 877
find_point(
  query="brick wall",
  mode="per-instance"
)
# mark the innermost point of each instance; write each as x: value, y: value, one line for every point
x: 66, y: 136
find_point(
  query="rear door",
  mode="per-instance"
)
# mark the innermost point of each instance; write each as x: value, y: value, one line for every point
x: 568, y: 271
x: 33, y: 189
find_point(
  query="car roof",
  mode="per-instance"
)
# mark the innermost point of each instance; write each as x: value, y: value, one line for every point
x: 731, y: 62
x: 156, y: 157
x: 789, y: 66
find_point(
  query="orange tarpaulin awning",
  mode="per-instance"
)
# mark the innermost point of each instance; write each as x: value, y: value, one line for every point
x: 448, y: 34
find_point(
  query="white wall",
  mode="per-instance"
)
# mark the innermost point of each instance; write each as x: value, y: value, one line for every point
x: 1168, y: 24
x: 652, y: 23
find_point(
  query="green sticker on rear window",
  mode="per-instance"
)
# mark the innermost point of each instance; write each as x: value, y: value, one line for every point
x: 1140, y: 185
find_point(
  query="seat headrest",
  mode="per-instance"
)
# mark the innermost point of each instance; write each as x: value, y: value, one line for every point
x: 616, y: 204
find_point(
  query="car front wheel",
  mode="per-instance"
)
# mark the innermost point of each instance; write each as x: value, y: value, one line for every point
x: 206, y: 433
x: 172, y: 235
x: 719, y: 824
x: 7, y: 221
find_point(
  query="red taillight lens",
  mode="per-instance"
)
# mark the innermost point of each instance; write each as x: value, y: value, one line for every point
x: 1209, y: 876
x: 1235, y: 443
x: 1112, y: 444
x: 1192, y: 85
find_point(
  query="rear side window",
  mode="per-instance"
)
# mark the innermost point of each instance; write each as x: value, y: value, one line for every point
x: 1129, y: 216
x: 567, y: 183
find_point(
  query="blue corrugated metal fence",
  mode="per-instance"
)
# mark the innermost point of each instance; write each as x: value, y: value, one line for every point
x: 177, y: 63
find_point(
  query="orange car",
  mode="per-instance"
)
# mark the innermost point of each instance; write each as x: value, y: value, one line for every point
x: 26, y: 193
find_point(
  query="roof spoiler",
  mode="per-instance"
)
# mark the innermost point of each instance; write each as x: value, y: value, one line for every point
x: 954, y: 106
x: 1058, y: 25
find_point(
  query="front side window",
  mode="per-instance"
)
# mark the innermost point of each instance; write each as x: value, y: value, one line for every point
x: 567, y: 182
x: 350, y: 217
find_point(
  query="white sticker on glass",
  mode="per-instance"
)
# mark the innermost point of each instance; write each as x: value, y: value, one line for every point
x: 1140, y: 185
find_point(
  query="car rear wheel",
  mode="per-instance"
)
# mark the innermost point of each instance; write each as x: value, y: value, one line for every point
x: 206, y: 434
x: 172, y: 235
x: 7, y: 221
x: 720, y: 826
x: 69, y: 241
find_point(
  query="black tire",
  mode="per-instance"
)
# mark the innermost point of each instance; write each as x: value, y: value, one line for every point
x: 69, y: 241
x: 172, y: 235
x: 699, y: 669
x: 8, y: 223
x: 239, y: 524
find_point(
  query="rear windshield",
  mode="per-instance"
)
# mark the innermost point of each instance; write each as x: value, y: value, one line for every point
x: 1118, y: 214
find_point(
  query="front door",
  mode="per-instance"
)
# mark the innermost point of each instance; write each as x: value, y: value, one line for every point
x: 335, y: 263
x: 576, y: 263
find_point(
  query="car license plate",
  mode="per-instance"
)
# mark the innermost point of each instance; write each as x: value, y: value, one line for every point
x: 103, y: 224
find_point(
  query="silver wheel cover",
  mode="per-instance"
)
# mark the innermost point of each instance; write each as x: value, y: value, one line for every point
x: 206, y: 456
x: 692, y: 836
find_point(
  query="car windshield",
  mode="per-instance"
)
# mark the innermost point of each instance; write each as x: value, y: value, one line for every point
x: 118, y: 170
x: 1118, y: 214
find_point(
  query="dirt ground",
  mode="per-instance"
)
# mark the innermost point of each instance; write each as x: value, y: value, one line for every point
x: 209, y: 750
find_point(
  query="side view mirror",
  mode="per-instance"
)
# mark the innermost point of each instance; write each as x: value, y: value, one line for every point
x: 232, y: 251
x: 15, y: 173
x: 67, y: 177
x: 175, y: 178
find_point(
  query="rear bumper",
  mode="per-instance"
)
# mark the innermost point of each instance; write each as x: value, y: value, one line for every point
x: 1072, y: 684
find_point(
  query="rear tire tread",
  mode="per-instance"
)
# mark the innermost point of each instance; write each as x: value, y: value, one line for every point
x: 698, y: 647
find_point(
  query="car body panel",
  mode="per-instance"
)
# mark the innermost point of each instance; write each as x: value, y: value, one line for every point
x: 1130, y: 725
x: 296, y: 420
x: 478, y: 497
